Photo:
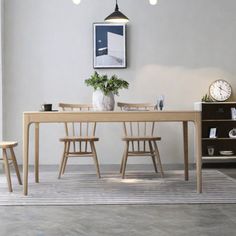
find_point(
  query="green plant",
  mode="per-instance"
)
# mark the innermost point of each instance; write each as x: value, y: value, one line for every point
x: 106, y: 85
x: 207, y: 98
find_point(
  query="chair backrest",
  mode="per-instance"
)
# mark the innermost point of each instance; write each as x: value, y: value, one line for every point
x: 137, y: 129
x: 79, y: 129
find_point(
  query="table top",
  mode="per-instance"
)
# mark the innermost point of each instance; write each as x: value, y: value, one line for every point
x: 116, y: 111
x: 109, y: 116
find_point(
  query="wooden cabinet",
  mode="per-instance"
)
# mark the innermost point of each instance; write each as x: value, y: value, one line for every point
x: 217, y: 122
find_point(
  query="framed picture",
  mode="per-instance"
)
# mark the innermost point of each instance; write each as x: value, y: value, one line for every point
x: 109, y: 50
x: 213, y: 133
x: 233, y: 113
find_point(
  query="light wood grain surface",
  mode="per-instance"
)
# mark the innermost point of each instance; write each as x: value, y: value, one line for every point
x: 114, y: 116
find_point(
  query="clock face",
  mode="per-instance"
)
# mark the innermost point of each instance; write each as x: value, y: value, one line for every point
x: 220, y: 90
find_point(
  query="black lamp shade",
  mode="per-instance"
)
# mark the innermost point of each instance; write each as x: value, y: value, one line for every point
x: 117, y: 16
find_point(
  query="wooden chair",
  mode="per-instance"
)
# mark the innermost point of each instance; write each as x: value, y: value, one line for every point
x: 139, y: 138
x: 5, y: 146
x: 80, y: 138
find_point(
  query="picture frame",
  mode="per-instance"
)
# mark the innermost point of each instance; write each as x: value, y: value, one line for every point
x: 233, y: 113
x: 213, y: 133
x: 109, y: 45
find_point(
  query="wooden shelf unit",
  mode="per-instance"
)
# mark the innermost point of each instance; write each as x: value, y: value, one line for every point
x: 217, y: 115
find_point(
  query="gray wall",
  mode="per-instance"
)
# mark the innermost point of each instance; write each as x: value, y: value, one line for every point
x: 1, y: 45
x: 176, y: 48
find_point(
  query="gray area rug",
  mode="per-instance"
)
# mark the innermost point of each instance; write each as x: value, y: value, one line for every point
x: 138, y: 188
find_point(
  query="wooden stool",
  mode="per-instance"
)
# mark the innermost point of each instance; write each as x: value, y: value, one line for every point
x: 5, y: 146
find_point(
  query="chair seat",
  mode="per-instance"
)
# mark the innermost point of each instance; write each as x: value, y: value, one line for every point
x: 78, y: 139
x: 8, y: 144
x: 141, y: 138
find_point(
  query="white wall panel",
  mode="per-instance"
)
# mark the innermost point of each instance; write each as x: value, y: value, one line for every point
x: 176, y: 48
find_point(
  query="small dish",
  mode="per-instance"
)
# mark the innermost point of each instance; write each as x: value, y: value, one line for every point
x: 227, y: 153
x: 48, y: 111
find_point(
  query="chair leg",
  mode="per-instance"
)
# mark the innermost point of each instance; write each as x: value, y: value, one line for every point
x: 95, y: 158
x: 153, y: 156
x: 64, y: 165
x: 122, y: 162
x: 62, y: 160
x: 125, y: 159
x: 13, y: 157
x: 7, y: 169
x: 66, y: 157
x: 158, y: 159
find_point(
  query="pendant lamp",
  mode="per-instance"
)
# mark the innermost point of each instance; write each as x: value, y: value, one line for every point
x: 117, y: 16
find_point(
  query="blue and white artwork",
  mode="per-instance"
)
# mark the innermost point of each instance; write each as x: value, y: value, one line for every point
x: 109, y: 45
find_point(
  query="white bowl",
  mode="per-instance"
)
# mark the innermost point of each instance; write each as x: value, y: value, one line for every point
x: 232, y: 133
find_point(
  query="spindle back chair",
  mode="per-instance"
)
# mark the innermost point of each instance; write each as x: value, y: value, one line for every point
x: 140, y: 137
x: 80, y: 137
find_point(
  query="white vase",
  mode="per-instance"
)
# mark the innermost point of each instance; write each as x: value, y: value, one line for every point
x: 103, y: 102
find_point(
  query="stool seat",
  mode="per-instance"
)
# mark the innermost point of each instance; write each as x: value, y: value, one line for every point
x: 5, y: 146
x: 8, y: 144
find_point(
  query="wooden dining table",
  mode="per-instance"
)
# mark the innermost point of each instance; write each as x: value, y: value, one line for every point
x: 36, y: 118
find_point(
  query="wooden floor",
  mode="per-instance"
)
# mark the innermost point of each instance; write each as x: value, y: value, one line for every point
x: 116, y: 220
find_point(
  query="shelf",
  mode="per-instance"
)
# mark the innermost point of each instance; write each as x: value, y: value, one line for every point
x: 219, y: 120
x: 216, y: 103
x: 217, y: 115
x: 218, y: 138
x: 218, y: 157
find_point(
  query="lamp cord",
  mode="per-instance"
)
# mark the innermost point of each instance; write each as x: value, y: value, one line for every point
x: 116, y: 8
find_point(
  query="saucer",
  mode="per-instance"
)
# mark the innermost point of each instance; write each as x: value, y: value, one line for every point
x: 227, y: 153
x: 48, y: 111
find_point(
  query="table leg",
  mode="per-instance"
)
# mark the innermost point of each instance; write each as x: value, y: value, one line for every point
x: 36, y: 152
x: 185, y: 136
x: 198, y: 152
x: 25, y: 154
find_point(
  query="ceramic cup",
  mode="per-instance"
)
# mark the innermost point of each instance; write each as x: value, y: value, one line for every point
x: 210, y: 150
x: 46, y: 107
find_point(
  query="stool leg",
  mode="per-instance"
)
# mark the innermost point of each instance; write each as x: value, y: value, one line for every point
x: 7, y: 169
x: 13, y: 157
